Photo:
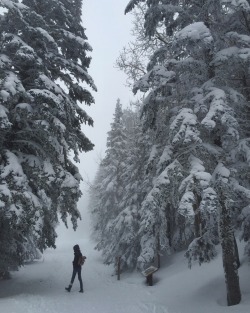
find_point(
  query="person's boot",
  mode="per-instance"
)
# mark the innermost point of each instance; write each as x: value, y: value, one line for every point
x: 68, y: 288
x: 81, y: 287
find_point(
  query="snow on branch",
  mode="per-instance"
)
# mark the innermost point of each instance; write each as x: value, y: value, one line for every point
x: 218, y: 104
x: 196, y: 182
x: 243, y: 149
x: 157, y: 77
x: 5, y: 61
x: 84, y: 44
x: 46, y: 96
x: 12, y: 5
x: 240, y: 39
x: 4, y: 121
x: 78, y: 70
x: 186, y: 204
x: 47, y: 83
x: 221, y: 173
x: 237, y: 4
x: 185, y: 127
x: 46, y: 35
x: 11, y: 85
x: 196, y: 251
x: 14, y: 168
x: 196, y: 32
x: 224, y: 55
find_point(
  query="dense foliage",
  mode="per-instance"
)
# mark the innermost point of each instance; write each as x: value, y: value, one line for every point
x: 195, y: 132
x: 43, y: 73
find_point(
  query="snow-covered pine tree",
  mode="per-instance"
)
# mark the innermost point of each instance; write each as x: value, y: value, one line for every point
x: 116, y: 227
x: 43, y: 47
x: 168, y: 84
x: 109, y: 183
x: 202, y: 75
x: 137, y: 182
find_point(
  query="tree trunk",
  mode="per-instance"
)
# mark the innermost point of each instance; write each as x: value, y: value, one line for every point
x: 237, y: 258
x: 228, y: 256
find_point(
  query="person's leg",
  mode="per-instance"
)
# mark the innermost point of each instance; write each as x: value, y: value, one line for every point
x: 73, y: 276
x: 80, y: 279
x: 72, y: 280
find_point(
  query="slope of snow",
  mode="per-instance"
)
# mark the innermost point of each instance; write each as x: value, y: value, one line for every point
x: 39, y: 287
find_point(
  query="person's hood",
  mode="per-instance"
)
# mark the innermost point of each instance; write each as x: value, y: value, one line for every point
x: 76, y: 248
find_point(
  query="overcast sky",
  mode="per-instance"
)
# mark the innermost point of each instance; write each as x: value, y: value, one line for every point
x: 108, y: 30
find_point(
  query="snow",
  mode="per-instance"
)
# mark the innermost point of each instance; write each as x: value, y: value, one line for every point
x: 245, y: 149
x: 153, y: 154
x: 13, y: 166
x: 184, y: 127
x: 11, y: 5
x: 59, y: 125
x: 186, y: 207
x: 243, y: 40
x: 39, y: 287
x: 195, y: 32
x: 4, y: 61
x: 166, y: 156
x: 243, y: 4
x: 46, y: 94
x: 48, y: 168
x: 221, y: 172
x: 11, y: 85
x: 217, y: 107
x: 69, y: 182
x: 49, y: 84
x: 244, y: 54
x: 224, y: 54
x: 110, y: 186
x: 79, y: 40
x: 158, y: 76
x: 45, y: 34
x: 24, y: 106
x: 3, y: 112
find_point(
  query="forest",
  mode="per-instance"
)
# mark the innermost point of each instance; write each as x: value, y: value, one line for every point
x: 175, y: 175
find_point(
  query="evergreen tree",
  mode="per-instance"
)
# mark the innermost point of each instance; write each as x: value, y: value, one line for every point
x: 109, y: 184
x: 43, y: 47
x: 124, y: 235
x: 200, y: 77
x: 116, y: 226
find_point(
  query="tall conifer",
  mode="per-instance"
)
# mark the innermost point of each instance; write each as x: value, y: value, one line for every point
x: 44, y: 61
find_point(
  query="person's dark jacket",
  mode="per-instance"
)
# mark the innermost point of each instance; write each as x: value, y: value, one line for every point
x: 77, y: 255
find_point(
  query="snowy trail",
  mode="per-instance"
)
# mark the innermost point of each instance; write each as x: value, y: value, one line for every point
x: 39, y: 287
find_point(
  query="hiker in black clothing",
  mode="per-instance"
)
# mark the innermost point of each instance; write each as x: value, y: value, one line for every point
x: 77, y: 268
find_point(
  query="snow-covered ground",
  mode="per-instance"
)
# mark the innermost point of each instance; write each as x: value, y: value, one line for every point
x: 39, y: 287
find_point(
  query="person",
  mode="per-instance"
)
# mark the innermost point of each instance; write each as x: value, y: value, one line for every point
x: 77, y: 268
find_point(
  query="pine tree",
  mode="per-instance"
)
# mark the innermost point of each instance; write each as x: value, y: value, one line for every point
x: 109, y: 184
x: 200, y: 77
x: 44, y: 60
x: 126, y: 226
x: 116, y: 226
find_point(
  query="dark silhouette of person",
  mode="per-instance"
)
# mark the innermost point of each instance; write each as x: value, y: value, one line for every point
x: 77, y: 268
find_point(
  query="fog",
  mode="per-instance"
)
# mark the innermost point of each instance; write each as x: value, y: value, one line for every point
x: 108, y: 30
